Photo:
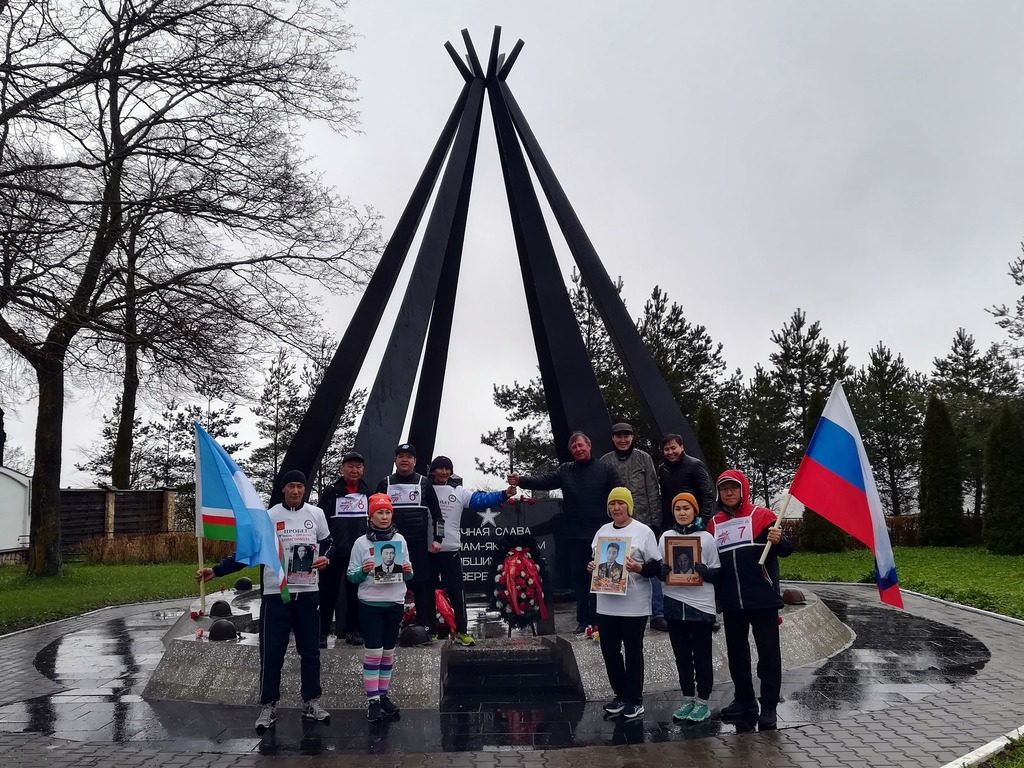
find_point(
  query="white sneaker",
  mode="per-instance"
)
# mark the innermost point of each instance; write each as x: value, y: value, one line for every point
x: 268, y: 716
x: 311, y: 710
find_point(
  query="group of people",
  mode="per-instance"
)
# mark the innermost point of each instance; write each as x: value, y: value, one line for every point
x: 361, y: 540
x: 410, y: 525
x: 647, y: 506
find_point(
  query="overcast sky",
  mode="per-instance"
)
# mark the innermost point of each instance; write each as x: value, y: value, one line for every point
x: 861, y: 160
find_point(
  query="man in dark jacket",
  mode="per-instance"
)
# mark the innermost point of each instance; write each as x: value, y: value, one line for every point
x: 345, y: 504
x: 585, y: 483
x: 418, y: 518
x: 750, y: 596
x: 681, y: 473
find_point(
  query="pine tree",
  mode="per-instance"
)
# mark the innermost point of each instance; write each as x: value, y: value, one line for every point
x: 764, y: 452
x: 805, y: 362
x: 710, y: 439
x: 1003, y: 520
x: 973, y: 383
x: 888, y: 401
x: 344, y: 436
x: 817, y: 534
x: 940, y: 499
x: 689, y: 359
x: 278, y: 412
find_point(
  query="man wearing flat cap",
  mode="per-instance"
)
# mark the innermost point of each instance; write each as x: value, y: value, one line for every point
x: 418, y: 518
x: 637, y: 472
x: 345, y: 504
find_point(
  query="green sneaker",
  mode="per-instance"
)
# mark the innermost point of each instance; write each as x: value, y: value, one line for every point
x: 684, y: 711
x: 699, y: 713
x: 463, y: 639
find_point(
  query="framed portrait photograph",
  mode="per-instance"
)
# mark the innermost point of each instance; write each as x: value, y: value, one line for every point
x: 610, y: 577
x: 387, y: 562
x: 682, y: 553
x: 300, y: 564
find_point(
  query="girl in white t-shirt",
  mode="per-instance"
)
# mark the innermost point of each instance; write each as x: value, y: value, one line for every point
x: 622, y: 618
x: 690, y: 611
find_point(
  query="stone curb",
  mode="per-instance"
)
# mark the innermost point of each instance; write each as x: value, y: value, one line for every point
x: 933, y: 598
x: 94, y: 611
x: 981, y: 754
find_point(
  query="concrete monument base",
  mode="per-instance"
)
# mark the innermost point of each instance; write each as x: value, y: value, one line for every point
x: 195, y: 669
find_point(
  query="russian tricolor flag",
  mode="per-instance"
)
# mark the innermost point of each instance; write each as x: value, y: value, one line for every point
x: 834, y: 479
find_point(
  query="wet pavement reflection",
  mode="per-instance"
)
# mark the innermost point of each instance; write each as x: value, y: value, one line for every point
x: 896, y: 658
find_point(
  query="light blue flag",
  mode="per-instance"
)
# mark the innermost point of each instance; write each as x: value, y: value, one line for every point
x: 228, y: 508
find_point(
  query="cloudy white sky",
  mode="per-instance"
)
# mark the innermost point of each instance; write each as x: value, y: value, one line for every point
x: 861, y: 160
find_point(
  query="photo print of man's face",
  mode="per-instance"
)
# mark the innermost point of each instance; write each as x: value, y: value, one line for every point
x: 612, y: 553
x: 387, y: 555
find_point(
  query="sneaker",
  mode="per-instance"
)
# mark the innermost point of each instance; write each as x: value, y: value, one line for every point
x: 374, y: 711
x: 581, y: 629
x: 614, y: 706
x: 739, y: 710
x: 311, y: 710
x: 464, y: 639
x: 268, y: 716
x: 387, y: 706
x: 699, y: 713
x: 632, y: 711
x: 659, y: 623
x: 767, y: 720
x: 683, y: 712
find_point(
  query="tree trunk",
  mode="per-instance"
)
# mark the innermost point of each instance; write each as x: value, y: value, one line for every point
x: 44, y: 555
x: 977, y: 496
x: 121, y: 465
x: 894, y: 491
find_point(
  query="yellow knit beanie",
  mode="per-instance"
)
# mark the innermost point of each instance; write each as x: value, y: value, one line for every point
x: 622, y: 494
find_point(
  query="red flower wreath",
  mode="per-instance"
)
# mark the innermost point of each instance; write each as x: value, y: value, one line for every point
x: 518, y: 587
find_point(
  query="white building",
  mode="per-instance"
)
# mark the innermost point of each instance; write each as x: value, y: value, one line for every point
x: 15, y: 495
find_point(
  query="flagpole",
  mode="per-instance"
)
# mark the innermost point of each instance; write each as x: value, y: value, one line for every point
x: 202, y: 581
x: 775, y: 527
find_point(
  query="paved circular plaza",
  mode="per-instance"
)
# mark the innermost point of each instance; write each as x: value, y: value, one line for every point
x: 918, y: 687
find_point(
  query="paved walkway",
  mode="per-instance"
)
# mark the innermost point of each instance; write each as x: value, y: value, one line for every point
x: 917, y: 688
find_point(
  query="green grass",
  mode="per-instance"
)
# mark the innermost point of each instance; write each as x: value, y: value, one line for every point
x: 27, y: 601
x: 964, y: 575
x: 1011, y: 757
x: 969, y: 576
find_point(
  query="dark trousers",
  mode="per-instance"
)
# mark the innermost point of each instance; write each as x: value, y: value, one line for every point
x: 423, y: 597
x: 765, y: 625
x: 338, y: 599
x: 380, y: 624
x: 447, y: 571
x: 278, y: 620
x: 626, y: 675
x: 579, y: 555
x: 691, y: 645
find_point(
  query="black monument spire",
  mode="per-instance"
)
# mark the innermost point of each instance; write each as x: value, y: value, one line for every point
x: 422, y: 329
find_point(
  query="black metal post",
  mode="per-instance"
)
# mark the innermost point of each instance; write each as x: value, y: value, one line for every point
x: 570, y: 385
x: 388, y: 402
x: 655, y: 396
x: 328, y: 402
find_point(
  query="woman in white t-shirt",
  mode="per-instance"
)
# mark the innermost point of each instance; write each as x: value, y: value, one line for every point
x: 690, y: 612
x: 622, y: 617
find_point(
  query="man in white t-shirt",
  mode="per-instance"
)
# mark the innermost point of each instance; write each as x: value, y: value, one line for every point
x: 301, y: 528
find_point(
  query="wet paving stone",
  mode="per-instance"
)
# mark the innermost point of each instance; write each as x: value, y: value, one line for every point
x: 896, y: 659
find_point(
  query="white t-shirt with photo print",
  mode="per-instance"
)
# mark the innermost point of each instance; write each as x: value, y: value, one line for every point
x: 643, y: 547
